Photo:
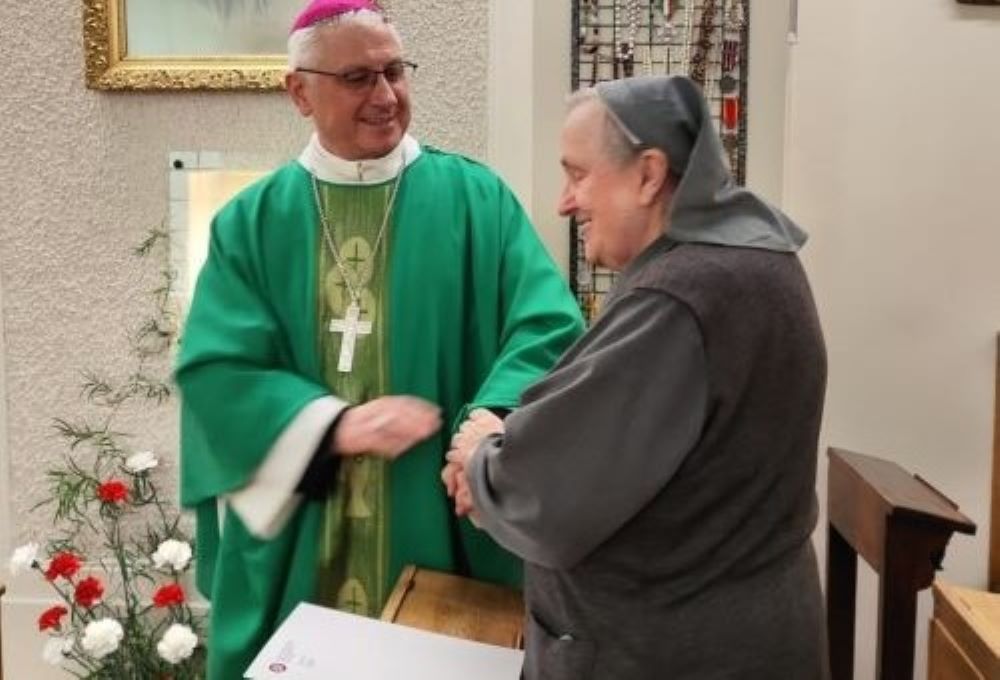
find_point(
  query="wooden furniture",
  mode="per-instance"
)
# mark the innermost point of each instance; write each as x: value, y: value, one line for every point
x: 900, y: 525
x: 995, y: 513
x: 456, y: 606
x: 964, y: 634
x: 2, y: 591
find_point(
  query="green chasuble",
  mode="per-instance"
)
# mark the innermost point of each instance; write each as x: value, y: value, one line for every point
x: 466, y: 309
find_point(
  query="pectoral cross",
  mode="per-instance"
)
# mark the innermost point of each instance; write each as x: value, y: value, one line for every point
x: 351, y: 326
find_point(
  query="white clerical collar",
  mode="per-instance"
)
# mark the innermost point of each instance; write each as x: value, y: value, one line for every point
x: 331, y: 168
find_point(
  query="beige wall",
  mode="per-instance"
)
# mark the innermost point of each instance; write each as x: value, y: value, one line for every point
x: 892, y: 158
x: 84, y: 175
x: 529, y: 68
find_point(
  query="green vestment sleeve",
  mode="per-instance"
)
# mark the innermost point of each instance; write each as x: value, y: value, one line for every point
x: 537, y: 317
x: 237, y: 387
x: 241, y: 375
x: 536, y: 321
x: 480, y: 312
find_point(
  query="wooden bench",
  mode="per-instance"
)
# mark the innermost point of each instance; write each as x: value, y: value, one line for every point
x: 995, y: 511
x: 2, y: 591
x: 964, y: 634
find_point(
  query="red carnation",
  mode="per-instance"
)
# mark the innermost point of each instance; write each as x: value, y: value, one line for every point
x: 113, y: 492
x: 50, y: 618
x: 88, y: 592
x: 63, y: 564
x: 169, y: 595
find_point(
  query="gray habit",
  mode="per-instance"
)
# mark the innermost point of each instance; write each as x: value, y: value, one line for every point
x: 659, y: 483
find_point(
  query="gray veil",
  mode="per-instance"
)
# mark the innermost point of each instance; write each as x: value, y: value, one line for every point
x: 670, y: 113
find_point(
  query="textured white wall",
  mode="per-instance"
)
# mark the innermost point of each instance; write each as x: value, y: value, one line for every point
x: 84, y: 175
x: 892, y: 166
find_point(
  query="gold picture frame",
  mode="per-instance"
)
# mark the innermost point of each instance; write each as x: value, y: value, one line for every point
x: 109, y: 65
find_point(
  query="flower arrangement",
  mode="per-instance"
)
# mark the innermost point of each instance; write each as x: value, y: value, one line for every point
x: 116, y: 560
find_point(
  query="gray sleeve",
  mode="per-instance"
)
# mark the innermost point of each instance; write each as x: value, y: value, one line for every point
x: 599, y: 437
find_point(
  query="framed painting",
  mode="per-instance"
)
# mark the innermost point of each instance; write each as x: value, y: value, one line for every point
x: 186, y: 44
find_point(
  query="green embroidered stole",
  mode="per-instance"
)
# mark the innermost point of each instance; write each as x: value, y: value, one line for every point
x: 354, y: 545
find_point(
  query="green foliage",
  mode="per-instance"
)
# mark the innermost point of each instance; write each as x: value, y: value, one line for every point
x: 104, y: 501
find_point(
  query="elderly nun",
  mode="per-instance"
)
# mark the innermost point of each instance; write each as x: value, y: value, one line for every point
x: 660, y: 481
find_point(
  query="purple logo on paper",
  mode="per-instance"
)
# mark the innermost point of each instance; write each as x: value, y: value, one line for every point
x: 277, y: 668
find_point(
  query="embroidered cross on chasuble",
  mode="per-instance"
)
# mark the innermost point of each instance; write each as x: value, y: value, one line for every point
x: 354, y: 544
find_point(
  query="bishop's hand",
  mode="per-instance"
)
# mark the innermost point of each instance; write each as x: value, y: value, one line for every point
x: 385, y: 427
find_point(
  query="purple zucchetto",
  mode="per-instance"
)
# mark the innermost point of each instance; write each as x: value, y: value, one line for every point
x: 321, y: 10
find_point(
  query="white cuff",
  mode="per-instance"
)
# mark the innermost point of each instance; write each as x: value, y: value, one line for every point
x: 266, y: 503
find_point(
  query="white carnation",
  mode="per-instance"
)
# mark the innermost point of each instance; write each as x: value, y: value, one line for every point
x: 177, y: 644
x: 24, y: 558
x: 56, y: 648
x: 102, y: 637
x: 175, y: 554
x: 140, y: 462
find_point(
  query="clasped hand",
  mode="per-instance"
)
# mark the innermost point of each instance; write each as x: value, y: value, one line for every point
x: 389, y: 426
x: 480, y: 424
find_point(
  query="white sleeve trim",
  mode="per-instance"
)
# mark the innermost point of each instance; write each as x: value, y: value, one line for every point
x: 268, y: 501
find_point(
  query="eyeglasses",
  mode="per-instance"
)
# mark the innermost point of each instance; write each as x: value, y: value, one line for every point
x: 365, y: 78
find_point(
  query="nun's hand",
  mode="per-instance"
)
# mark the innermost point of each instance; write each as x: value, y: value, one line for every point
x: 465, y: 506
x: 479, y: 425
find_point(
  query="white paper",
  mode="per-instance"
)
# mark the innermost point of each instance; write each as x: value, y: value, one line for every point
x: 316, y: 643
